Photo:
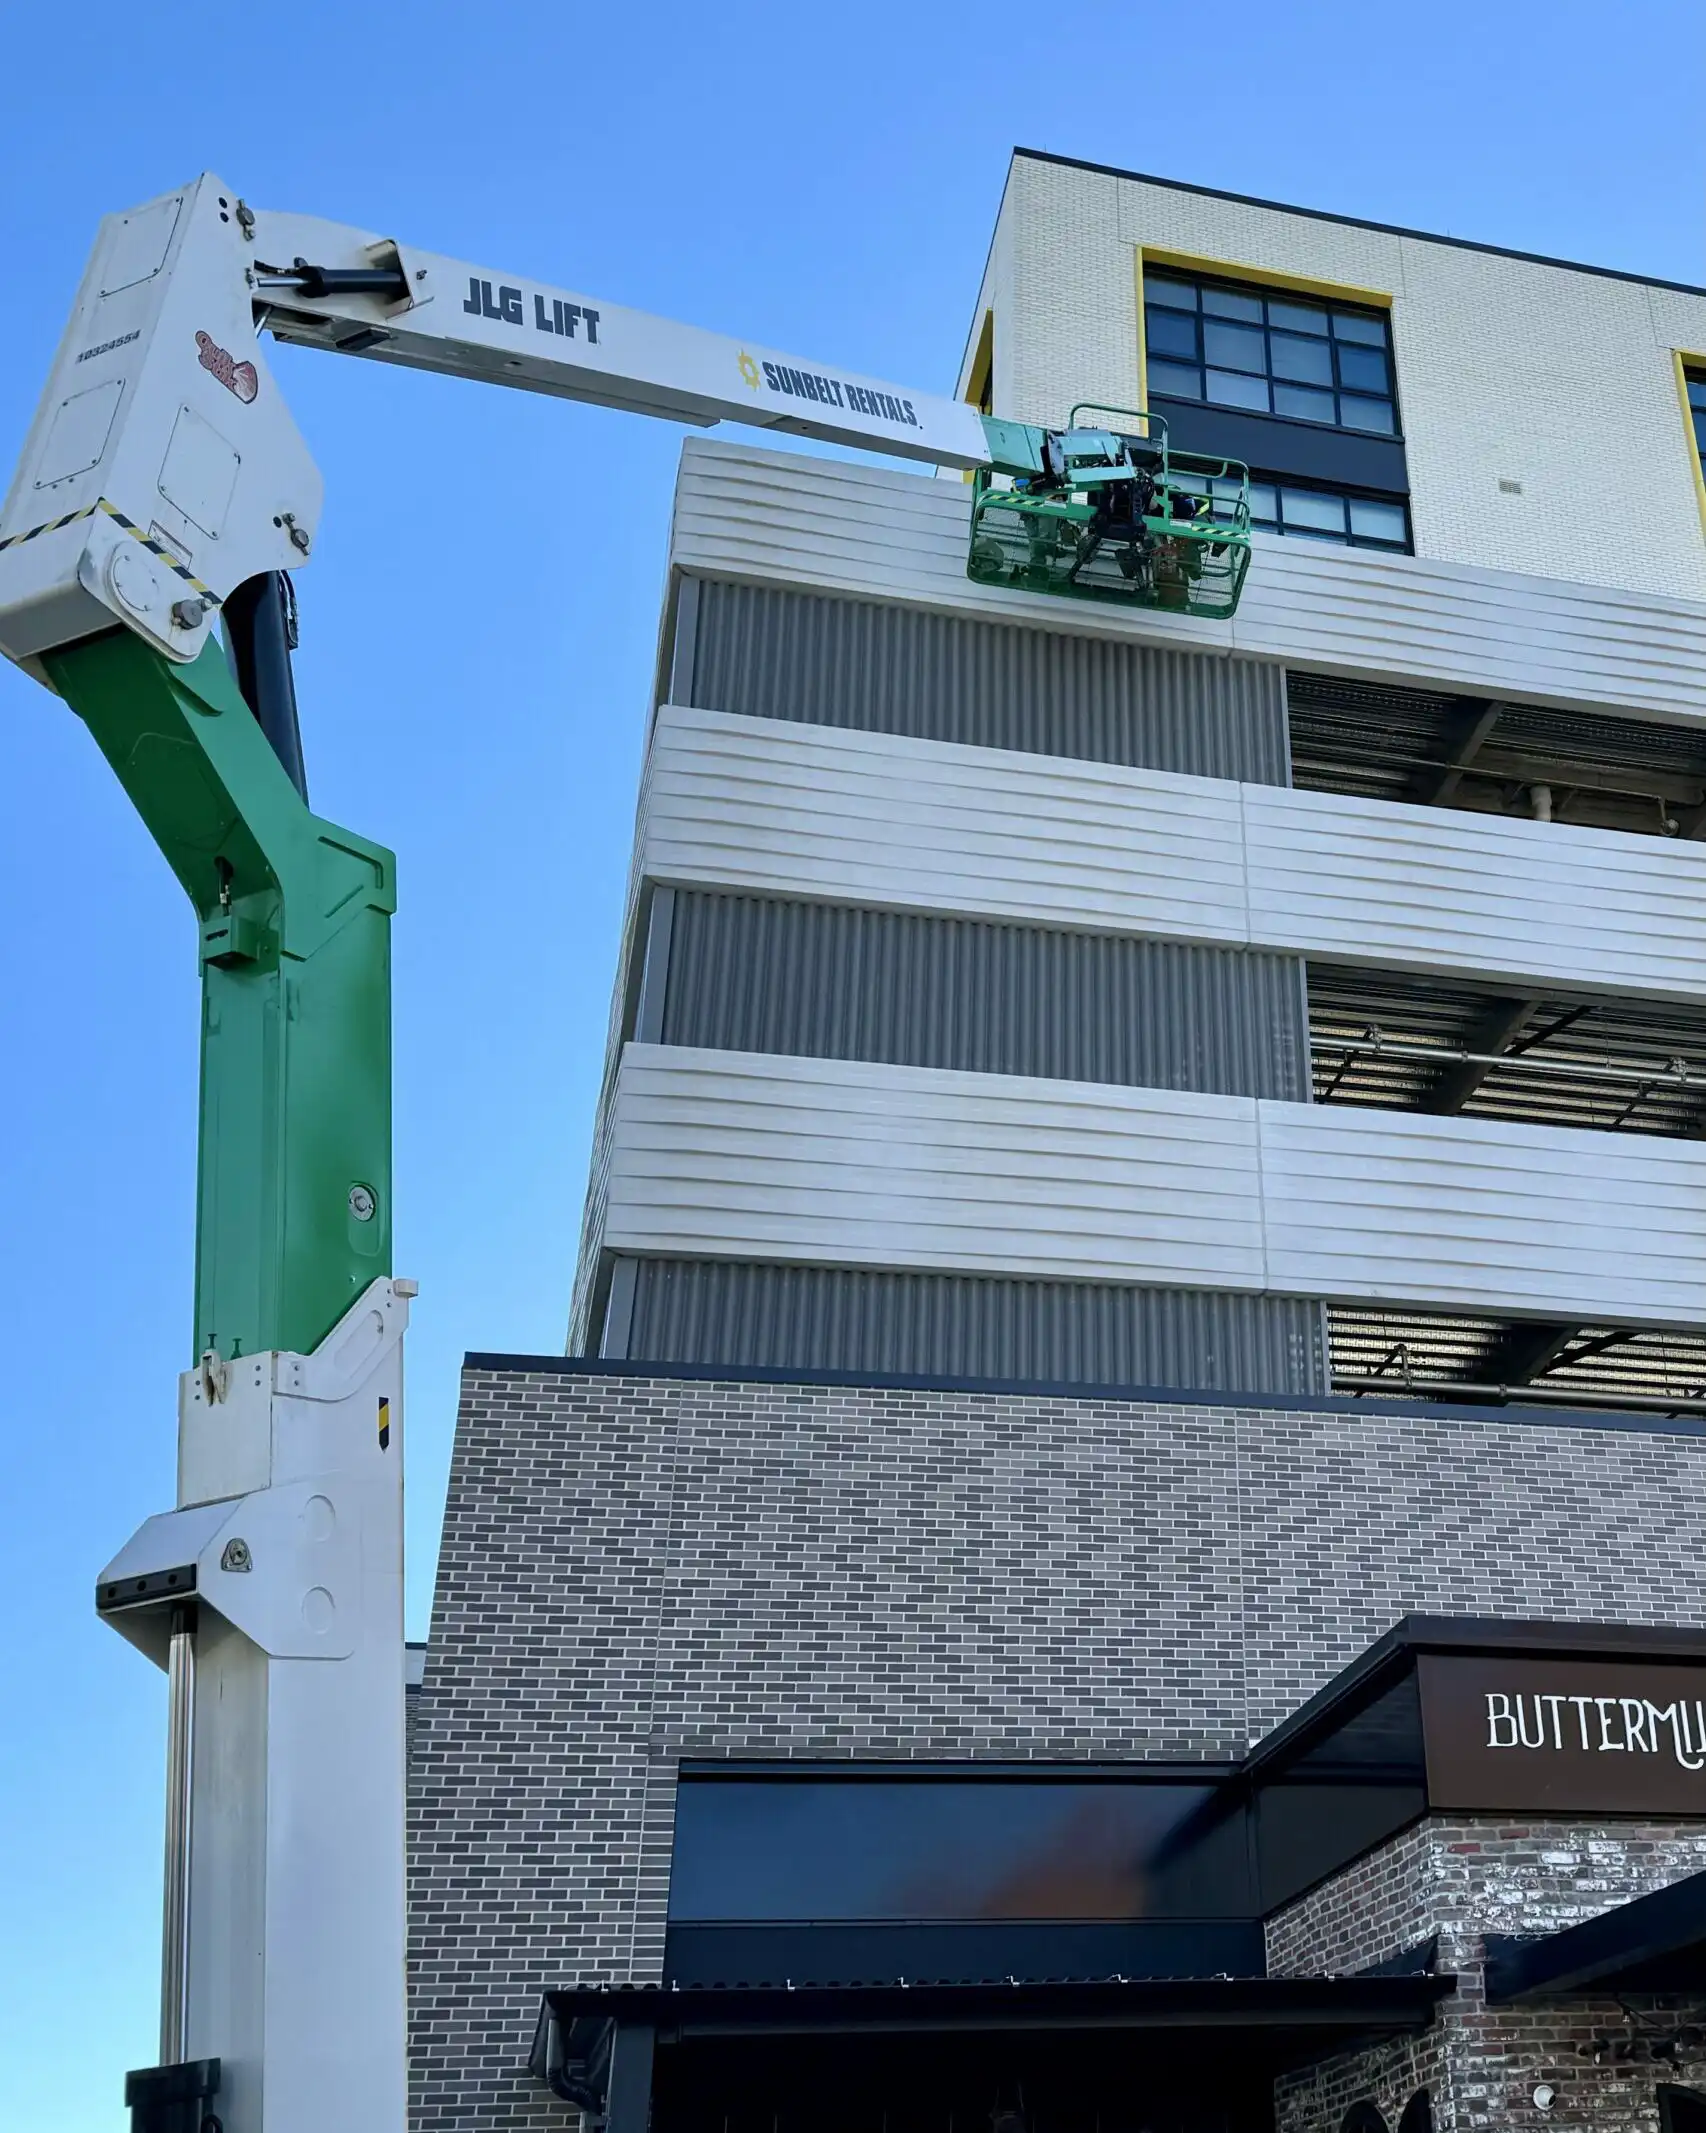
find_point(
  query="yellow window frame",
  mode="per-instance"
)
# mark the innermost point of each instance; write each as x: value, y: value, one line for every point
x: 1333, y: 292
x: 1684, y: 363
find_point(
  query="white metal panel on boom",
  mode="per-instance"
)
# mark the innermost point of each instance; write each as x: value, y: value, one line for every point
x: 452, y: 315
x: 163, y: 469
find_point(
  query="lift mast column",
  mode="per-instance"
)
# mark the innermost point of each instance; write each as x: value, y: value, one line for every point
x: 273, y: 1592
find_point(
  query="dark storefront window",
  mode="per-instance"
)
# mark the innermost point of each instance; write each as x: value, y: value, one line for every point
x: 1269, y: 353
x: 952, y: 1848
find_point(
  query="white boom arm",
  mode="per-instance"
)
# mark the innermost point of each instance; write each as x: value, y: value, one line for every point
x: 163, y: 468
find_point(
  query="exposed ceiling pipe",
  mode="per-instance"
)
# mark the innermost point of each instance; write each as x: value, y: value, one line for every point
x: 1518, y: 1395
x: 1675, y: 1072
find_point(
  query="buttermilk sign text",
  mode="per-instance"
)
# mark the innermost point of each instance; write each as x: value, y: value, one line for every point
x: 1600, y: 1725
x: 1564, y: 1734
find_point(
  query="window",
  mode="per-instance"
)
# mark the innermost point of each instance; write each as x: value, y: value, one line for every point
x: 1418, y: 2116
x: 1681, y: 2110
x: 1696, y: 383
x: 1316, y: 514
x: 1274, y: 355
x: 793, y: 1848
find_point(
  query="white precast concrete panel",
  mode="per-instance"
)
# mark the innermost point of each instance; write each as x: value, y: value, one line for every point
x: 1484, y: 1215
x: 1427, y: 888
x: 741, y: 1155
x: 738, y: 1154
x: 772, y: 807
x: 781, y: 808
x: 1071, y: 318
x: 874, y: 533
x: 1553, y: 376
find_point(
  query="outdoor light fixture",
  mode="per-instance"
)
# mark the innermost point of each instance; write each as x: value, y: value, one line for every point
x: 1544, y: 2096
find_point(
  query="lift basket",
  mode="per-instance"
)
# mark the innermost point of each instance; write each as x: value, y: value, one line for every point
x: 1111, y: 515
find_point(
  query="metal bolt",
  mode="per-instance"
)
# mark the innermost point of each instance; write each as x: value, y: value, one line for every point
x: 362, y: 1203
x: 236, y: 1556
x: 187, y: 614
x: 298, y: 534
x: 246, y: 219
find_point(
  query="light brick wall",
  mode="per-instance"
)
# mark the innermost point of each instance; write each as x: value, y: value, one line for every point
x: 640, y: 1569
x: 1558, y: 379
x: 1462, y: 1878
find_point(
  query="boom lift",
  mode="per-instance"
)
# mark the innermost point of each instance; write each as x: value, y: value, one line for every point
x: 164, y: 488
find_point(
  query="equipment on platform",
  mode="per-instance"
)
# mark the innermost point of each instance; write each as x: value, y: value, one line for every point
x: 1103, y: 514
x: 164, y: 488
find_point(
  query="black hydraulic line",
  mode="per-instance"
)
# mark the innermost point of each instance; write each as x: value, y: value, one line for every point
x: 259, y: 633
x: 354, y: 281
x: 309, y: 280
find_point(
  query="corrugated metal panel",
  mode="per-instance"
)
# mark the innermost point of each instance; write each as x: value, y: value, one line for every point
x: 736, y: 1155
x: 1480, y: 1214
x: 748, y: 974
x: 1429, y: 889
x: 743, y: 512
x: 583, y: 1300
x: 802, y: 811
x: 741, y: 1156
x: 776, y: 653
x: 774, y: 809
x: 746, y: 1315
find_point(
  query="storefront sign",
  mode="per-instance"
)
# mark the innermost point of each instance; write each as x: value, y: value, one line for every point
x: 1537, y: 1736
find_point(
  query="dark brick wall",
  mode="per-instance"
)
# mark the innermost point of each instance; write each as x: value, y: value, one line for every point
x: 638, y: 1569
x: 1462, y: 1878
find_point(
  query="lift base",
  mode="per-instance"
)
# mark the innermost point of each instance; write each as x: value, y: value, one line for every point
x: 174, y: 2099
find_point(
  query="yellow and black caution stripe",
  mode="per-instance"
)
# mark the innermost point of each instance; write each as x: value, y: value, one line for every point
x: 17, y: 540
x: 154, y: 547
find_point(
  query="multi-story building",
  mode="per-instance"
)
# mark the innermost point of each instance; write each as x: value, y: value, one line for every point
x: 1128, y: 1464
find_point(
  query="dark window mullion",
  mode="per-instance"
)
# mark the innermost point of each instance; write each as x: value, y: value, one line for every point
x: 1338, y: 391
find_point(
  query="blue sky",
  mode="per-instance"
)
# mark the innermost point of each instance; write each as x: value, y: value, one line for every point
x: 479, y: 623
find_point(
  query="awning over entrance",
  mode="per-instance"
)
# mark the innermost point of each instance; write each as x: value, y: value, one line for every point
x: 599, y: 2046
x: 1657, y: 1943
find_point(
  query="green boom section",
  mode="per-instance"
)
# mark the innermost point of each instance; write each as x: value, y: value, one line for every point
x: 293, y: 1216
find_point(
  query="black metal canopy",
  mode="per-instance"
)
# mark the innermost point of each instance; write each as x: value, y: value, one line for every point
x: 1384, y: 2005
x: 1656, y: 1943
x: 604, y: 2048
x: 1355, y: 1689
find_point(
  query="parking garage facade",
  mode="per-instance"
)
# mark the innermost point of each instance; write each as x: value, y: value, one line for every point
x: 1118, y: 1542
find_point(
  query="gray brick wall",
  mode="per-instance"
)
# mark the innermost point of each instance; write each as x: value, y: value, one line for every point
x: 637, y: 1569
x: 1462, y: 1878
